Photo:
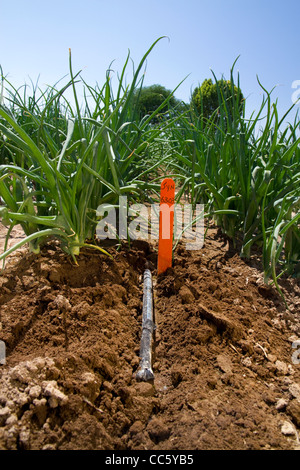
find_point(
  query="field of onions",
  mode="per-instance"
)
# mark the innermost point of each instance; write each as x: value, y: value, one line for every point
x: 61, y: 157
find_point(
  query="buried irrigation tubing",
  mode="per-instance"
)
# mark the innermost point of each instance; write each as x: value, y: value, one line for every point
x: 145, y: 372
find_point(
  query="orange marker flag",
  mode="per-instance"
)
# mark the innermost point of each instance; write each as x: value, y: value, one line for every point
x: 166, y: 221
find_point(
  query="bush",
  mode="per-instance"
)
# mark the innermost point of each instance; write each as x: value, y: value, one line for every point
x: 214, y: 99
x: 148, y: 99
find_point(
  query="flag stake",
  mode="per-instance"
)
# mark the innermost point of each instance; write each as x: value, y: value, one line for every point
x: 166, y: 221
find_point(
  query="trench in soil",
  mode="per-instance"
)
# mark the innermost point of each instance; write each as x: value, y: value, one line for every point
x: 221, y: 352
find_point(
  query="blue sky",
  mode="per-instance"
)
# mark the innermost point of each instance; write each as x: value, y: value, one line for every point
x: 35, y: 38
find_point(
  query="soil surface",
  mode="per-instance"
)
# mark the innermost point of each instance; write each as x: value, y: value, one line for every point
x: 226, y: 352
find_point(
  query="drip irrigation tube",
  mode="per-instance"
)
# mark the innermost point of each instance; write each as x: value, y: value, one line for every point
x: 145, y: 372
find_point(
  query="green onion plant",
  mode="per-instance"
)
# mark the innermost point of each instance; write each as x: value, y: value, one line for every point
x: 62, y: 161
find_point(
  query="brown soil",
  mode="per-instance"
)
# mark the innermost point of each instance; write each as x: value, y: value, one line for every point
x: 226, y: 374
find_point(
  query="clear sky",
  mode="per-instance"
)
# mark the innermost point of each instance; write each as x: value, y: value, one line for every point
x: 35, y: 37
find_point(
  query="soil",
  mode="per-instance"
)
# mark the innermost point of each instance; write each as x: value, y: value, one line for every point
x: 226, y: 367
